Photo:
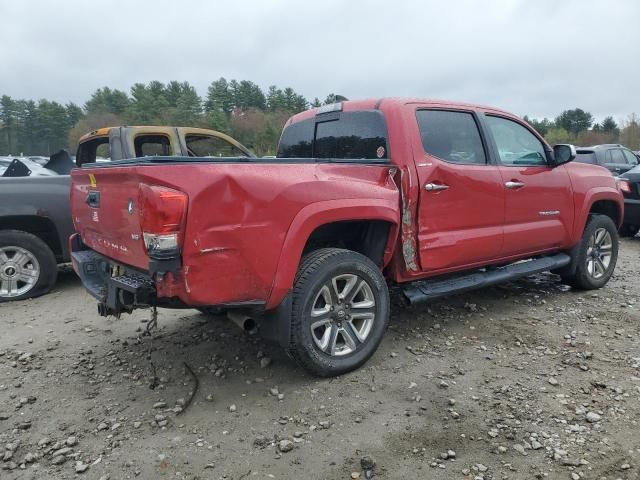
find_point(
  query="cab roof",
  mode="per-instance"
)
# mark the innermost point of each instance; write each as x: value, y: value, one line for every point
x: 389, y: 103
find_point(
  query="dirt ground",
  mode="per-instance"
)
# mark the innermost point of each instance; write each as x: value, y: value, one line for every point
x: 527, y: 380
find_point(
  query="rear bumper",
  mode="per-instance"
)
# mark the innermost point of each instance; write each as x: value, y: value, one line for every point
x: 118, y: 288
x: 631, y: 211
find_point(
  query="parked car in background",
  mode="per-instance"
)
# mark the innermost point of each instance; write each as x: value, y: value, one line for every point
x: 629, y: 184
x: 436, y: 197
x: 614, y: 157
x: 35, y: 216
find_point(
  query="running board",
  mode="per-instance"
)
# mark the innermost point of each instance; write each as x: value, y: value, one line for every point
x: 425, y: 290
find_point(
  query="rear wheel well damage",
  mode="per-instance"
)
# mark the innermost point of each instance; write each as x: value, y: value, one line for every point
x: 608, y: 208
x: 367, y: 237
x: 41, y: 227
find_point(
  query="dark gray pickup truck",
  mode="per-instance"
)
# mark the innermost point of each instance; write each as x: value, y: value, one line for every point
x: 35, y: 224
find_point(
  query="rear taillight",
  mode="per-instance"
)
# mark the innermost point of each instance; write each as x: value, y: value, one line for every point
x: 162, y: 213
x: 623, y: 186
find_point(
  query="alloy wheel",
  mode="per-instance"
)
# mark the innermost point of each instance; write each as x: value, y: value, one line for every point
x: 19, y: 271
x: 342, y: 314
x: 599, y: 251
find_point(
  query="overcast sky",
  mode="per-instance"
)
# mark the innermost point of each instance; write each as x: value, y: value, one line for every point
x: 535, y: 57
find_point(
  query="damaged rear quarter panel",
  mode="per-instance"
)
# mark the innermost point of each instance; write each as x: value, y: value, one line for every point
x: 239, y: 216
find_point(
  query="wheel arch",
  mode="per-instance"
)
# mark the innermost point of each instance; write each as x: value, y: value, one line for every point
x: 603, y: 201
x: 41, y: 227
x: 371, y: 217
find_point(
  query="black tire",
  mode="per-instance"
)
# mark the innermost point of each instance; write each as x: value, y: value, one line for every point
x: 629, y: 230
x: 48, y: 267
x: 582, y: 278
x: 317, y: 271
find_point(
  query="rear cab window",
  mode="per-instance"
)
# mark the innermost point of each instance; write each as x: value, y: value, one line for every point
x: 358, y: 135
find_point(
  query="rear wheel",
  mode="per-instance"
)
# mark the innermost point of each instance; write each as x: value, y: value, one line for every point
x: 629, y: 230
x: 340, y: 311
x: 596, y: 255
x: 28, y: 267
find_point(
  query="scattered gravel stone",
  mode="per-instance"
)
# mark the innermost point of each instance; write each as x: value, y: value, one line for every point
x: 520, y: 449
x: 593, y: 417
x: 81, y: 467
x: 285, y: 445
x: 59, y: 460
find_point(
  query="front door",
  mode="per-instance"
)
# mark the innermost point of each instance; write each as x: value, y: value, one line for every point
x: 538, y: 198
x: 461, y: 203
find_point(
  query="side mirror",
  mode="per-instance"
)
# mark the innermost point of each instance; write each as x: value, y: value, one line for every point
x: 563, y: 153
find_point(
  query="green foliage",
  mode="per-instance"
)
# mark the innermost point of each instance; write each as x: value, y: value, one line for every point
x: 609, y: 125
x: 574, y: 121
x: 105, y: 100
x: 542, y: 126
x: 557, y: 135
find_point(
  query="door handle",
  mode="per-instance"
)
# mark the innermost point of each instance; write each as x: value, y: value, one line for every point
x: 435, y: 187
x: 513, y: 184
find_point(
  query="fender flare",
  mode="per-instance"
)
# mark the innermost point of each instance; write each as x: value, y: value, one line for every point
x: 592, y: 196
x: 317, y: 214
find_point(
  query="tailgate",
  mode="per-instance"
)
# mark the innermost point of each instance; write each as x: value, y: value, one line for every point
x: 104, y: 206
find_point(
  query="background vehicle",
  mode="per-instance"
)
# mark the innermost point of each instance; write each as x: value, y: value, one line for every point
x: 614, y: 157
x: 35, y: 216
x: 439, y: 197
x: 629, y: 183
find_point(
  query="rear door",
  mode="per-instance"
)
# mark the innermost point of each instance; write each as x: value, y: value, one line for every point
x: 538, y: 198
x: 461, y: 201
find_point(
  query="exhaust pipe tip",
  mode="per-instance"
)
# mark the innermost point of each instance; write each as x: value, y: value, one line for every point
x: 243, y: 321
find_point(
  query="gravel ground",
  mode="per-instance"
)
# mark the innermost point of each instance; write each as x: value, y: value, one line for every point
x: 527, y: 380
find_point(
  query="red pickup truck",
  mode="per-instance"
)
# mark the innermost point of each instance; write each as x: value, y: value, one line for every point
x: 433, y: 196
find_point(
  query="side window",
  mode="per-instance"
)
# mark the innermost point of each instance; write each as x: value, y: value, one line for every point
x: 451, y: 136
x: 208, y: 146
x: 93, y: 150
x: 152, y: 145
x: 516, y: 144
x: 617, y: 156
x: 631, y: 158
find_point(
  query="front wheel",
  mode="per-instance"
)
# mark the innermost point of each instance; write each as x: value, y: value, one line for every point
x: 340, y: 311
x: 597, y: 254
